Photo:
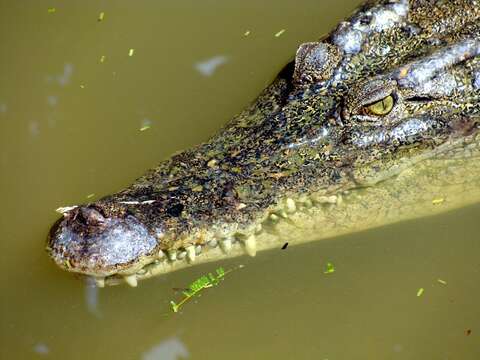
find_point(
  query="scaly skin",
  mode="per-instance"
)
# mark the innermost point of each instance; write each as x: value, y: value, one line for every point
x: 311, y: 157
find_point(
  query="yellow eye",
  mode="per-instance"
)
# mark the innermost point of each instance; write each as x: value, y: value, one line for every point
x: 382, y: 107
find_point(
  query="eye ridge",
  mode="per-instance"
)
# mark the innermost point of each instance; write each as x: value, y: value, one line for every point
x: 381, y: 107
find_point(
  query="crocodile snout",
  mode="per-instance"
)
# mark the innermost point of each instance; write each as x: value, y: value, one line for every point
x: 85, y: 241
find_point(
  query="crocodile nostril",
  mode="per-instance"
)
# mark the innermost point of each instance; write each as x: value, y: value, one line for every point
x: 91, y: 216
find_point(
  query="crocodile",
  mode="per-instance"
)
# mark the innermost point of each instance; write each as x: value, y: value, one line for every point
x: 375, y: 123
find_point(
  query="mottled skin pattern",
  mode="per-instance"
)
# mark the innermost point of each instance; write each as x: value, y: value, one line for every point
x: 392, y: 86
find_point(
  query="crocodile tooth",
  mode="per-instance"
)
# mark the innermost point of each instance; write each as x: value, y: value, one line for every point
x: 131, y: 280
x: 339, y: 200
x: 251, y: 245
x: 283, y: 214
x: 172, y: 255
x: 100, y: 282
x: 308, y: 203
x: 191, y: 253
x: 181, y: 254
x: 213, y: 243
x: 290, y: 206
x: 198, y: 249
x: 160, y: 254
x: 274, y: 217
x: 226, y: 245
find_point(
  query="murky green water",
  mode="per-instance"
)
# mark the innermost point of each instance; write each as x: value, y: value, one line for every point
x: 72, y: 103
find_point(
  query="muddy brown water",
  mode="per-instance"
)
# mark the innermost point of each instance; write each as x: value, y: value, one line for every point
x: 70, y: 127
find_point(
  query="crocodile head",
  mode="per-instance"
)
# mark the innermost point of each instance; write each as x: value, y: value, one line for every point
x: 356, y: 132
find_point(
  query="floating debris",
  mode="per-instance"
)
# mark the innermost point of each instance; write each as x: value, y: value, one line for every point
x: 280, y: 33
x: 246, y: 33
x: 89, y: 196
x: 420, y: 292
x: 438, y: 201
x: 131, y: 52
x: 443, y: 282
x: 204, y: 282
x: 101, y: 16
x: 284, y: 246
x: 468, y: 332
x: 146, y: 123
x: 64, y: 209
x: 51, y: 10
x: 329, y: 269
x: 82, y: 86
x: 102, y: 58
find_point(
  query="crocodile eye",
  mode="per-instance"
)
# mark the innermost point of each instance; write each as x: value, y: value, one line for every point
x: 382, y: 107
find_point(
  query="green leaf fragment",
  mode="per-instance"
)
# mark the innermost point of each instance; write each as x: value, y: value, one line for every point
x: 220, y: 272
x: 174, y: 306
x: 130, y: 52
x: 280, y: 33
x: 51, y: 10
x: 329, y: 269
x: 146, y: 127
x: 443, y: 282
x: 420, y: 292
x: 101, y: 16
x: 206, y: 281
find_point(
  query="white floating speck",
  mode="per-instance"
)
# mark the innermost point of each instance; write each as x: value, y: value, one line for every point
x: 64, y: 209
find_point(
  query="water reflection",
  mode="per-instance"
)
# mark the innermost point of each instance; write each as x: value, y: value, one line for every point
x: 209, y: 66
x: 41, y: 349
x: 91, y: 297
x: 64, y: 78
x: 170, y: 349
x: 52, y: 100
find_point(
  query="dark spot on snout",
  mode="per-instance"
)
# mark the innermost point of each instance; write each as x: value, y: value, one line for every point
x: 175, y: 210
